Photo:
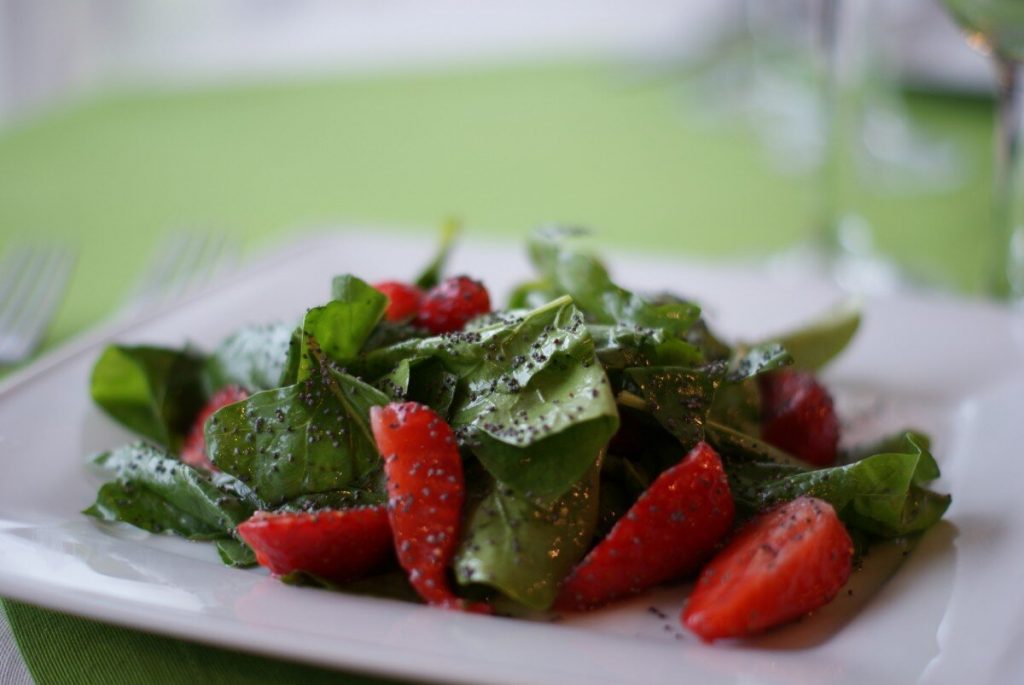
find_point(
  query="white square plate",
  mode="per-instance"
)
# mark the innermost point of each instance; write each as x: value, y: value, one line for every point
x: 950, y: 612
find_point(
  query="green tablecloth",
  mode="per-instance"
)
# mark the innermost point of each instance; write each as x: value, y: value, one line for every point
x: 624, y: 152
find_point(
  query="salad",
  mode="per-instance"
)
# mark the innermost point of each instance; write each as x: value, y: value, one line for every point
x: 584, y: 444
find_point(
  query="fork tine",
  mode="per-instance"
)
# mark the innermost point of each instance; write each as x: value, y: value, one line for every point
x: 179, y: 283
x: 42, y: 303
x: 160, y: 268
x: 21, y: 275
x: 30, y: 303
x: 220, y: 253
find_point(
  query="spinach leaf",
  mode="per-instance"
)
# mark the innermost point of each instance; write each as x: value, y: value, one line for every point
x: 310, y: 437
x: 737, y: 402
x: 624, y: 346
x: 744, y: 447
x: 531, y: 401
x: 818, y: 343
x: 154, y: 391
x: 236, y: 553
x: 582, y: 276
x: 748, y: 362
x: 883, y: 494
x: 525, y: 547
x: 423, y: 380
x: 218, y: 500
x: 131, y: 503
x: 679, y: 398
x: 336, y: 499
x: 432, y: 273
x: 253, y: 358
x: 341, y: 326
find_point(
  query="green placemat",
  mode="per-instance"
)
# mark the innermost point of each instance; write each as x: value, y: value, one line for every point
x: 628, y: 154
x: 75, y: 651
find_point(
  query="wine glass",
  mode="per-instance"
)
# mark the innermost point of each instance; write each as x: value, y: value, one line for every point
x: 996, y: 28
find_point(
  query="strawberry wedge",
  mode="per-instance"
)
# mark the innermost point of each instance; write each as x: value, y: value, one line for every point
x: 798, y: 416
x: 781, y: 566
x: 425, y: 496
x: 670, y: 530
x: 339, y: 545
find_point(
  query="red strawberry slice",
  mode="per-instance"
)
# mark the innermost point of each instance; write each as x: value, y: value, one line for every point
x: 798, y: 416
x: 784, y: 564
x: 193, y: 452
x: 667, y: 533
x: 425, y: 495
x: 453, y: 302
x: 339, y: 545
x: 403, y: 300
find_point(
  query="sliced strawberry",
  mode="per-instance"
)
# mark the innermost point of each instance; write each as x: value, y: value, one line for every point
x: 668, y: 532
x: 798, y: 416
x: 339, y: 545
x: 403, y: 300
x: 425, y: 495
x: 193, y: 452
x: 448, y: 306
x: 784, y: 564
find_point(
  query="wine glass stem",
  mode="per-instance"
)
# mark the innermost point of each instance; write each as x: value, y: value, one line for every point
x: 832, y: 139
x: 1007, y: 269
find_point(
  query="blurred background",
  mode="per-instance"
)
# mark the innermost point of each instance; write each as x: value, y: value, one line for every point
x: 694, y: 126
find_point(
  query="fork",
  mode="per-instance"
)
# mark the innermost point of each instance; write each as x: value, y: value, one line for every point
x: 33, y: 278
x: 181, y: 262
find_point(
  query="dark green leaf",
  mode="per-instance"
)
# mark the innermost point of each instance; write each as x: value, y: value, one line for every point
x: 341, y: 326
x: 131, y: 503
x: 739, y: 445
x: 254, y: 358
x: 531, y: 401
x: 747, y: 362
x: 883, y: 494
x: 302, y: 439
x: 525, y: 548
x: 155, y: 392
x: 217, y: 499
x: 236, y: 553
x: 336, y: 499
x: 388, y: 333
x: 679, y: 399
x: 624, y: 346
x: 582, y: 276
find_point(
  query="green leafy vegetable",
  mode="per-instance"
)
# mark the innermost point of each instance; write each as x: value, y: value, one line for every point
x: 307, y: 438
x: 748, y: 362
x: 341, y: 326
x: 531, y: 401
x: 157, y: 492
x: 818, y: 343
x: 236, y: 553
x: 679, y: 398
x: 583, y: 277
x: 131, y: 503
x: 254, y: 358
x: 524, y: 547
x: 883, y: 494
x: 154, y: 391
